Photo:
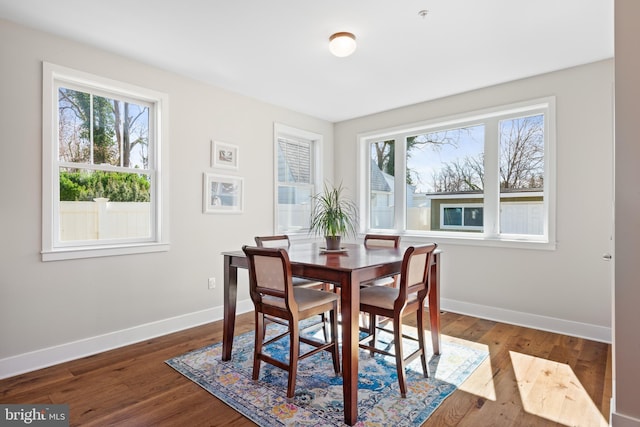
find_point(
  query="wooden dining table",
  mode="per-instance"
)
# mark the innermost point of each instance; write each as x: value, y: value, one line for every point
x: 346, y: 269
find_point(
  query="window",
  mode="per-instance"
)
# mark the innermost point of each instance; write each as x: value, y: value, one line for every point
x: 463, y: 217
x: 103, y: 176
x: 484, y: 175
x: 297, y: 175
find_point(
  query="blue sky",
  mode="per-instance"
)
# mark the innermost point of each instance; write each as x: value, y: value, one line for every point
x: 429, y: 158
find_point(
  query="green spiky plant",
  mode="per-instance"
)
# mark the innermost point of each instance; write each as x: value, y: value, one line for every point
x: 333, y: 215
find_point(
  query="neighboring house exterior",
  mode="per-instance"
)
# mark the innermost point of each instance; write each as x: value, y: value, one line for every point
x: 382, y: 198
x: 521, y: 211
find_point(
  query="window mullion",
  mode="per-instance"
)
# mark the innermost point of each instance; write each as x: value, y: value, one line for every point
x: 491, y: 178
x: 400, y: 188
x: 91, y: 128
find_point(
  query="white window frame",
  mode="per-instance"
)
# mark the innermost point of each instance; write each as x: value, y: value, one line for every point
x: 283, y: 131
x: 463, y: 206
x: 52, y: 248
x: 490, y: 236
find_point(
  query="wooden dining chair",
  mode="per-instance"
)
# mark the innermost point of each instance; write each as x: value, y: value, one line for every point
x: 381, y: 241
x: 283, y: 241
x: 395, y: 303
x: 272, y: 292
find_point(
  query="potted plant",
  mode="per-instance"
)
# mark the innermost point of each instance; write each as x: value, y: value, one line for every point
x: 333, y: 216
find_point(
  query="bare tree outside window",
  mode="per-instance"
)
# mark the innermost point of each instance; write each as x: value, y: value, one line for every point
x: 96, y: 130
x: 447, y: 161
x: 445, y: 172
x: 99, y: 130
x: 522, y: 153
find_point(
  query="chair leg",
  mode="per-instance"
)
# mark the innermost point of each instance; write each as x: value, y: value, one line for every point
x: 259, y: 339
x: 335, y: 350
x: 325, y: 327
x: 294, y: 353
x: 423, y: 351
x: 362, y: 318
x: 372, y: 331
x: 264, y: 328
x: 397, y: 335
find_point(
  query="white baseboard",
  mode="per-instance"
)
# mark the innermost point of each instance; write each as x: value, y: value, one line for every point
x: 620, y: 420
x: 544, y: 323
x: 38, y: 359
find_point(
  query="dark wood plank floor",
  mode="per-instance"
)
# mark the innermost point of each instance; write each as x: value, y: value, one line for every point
x: 532, y: 378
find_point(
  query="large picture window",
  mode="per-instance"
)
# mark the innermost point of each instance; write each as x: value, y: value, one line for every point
x: 103, y: 177
x: 297, y: 175
x: 484, y: 175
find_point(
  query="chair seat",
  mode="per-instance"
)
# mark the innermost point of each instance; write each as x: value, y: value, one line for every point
x: 299, y: 281
x: 378, y: 241
x: 386, y: 281
x: 305, y: 298
x: 382, y: 296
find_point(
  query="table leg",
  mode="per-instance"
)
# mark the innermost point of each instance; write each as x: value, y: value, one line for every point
x: 434, y: 303
x: 350, y: 310
x: 230, y: 297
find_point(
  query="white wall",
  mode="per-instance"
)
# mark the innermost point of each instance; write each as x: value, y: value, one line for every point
x: 56, y: 310
x: 86, y: 305
x: 567, y: 289
x: 626, y: 342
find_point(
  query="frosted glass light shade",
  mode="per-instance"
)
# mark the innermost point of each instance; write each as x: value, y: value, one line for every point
x: 342, y: 44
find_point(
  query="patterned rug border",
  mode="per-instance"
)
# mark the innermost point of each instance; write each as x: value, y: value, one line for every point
x: 379, y: 400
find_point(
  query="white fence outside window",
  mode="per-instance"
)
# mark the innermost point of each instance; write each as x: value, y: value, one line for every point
x: 102, y: 220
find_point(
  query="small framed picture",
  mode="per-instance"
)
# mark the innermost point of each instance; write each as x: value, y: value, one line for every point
x: 224, y: 155
x: 222, y: 194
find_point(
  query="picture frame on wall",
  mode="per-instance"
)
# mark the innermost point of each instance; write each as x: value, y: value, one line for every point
x: 222, y: 194
x: 224, y: 155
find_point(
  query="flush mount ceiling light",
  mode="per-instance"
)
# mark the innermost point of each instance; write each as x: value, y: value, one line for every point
x: 342, y: 44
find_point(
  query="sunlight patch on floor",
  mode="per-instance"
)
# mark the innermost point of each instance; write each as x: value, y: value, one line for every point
x: 551, y: 390
x: 480, y: 383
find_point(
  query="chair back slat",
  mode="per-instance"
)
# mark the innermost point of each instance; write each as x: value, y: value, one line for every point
x: 278, y: 241
x: 414, y: 277
x: 417, y: 269
x: 381, y: 241
x: 270, y: 274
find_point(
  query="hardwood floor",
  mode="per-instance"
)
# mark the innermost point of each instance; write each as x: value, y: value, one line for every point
x: 532, y: 378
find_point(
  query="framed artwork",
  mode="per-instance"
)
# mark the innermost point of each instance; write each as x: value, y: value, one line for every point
x: 224, y: 155
x: 222, y: 194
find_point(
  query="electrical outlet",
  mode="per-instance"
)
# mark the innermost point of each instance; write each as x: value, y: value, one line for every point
x: 212, y: 282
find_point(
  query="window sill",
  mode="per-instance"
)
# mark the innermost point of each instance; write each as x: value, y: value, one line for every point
x: 61, y: 254
x: 480, y: 241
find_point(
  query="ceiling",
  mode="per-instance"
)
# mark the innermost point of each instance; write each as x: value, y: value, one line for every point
x: 277, y: 51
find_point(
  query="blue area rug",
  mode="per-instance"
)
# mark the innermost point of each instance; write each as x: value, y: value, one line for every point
x: 318, y: 400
